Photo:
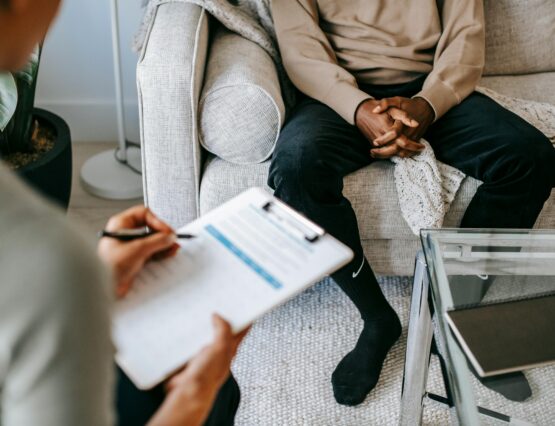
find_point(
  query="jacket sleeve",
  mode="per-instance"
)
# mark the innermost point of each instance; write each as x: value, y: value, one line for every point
x: 309, y: 58
x: 459, y: 57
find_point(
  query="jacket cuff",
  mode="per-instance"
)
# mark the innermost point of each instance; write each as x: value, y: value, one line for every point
x: 344, y: 99
x: 440, y: 97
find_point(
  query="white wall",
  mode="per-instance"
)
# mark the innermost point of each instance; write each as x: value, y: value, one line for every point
x: 76, y: 78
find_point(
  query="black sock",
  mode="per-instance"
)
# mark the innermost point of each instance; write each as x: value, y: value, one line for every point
x: 358, y: 372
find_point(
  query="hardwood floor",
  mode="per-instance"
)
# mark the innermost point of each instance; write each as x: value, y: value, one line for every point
x: 92, y: 212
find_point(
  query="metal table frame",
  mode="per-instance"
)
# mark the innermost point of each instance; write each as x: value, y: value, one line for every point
x: 420, y: 340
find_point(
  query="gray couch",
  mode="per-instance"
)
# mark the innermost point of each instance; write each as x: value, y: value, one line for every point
x: 183, y: 180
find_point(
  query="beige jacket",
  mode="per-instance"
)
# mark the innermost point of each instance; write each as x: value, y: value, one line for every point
x: 328, y: 46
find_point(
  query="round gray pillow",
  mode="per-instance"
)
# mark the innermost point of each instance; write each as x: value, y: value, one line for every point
x: 241, y: 110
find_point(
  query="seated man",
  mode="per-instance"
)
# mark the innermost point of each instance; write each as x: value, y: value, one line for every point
x: 423, y: 60
x: 56, y: 357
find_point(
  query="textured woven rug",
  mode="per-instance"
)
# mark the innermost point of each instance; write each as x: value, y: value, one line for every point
x: 285, y: 364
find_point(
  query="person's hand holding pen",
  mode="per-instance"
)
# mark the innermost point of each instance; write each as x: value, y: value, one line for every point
x: 127, y: 258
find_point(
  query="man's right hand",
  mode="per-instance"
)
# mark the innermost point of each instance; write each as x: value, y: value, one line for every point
x: 191, y: 393
x: 388, y: 127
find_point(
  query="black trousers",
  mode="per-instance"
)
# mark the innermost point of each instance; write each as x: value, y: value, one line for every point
x: 135, y: 407
x: 317, y: 148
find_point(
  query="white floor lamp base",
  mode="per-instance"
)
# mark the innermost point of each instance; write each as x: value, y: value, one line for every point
x: 103, y: 176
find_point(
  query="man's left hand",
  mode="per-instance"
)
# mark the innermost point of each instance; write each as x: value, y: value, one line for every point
x: 417, y: 108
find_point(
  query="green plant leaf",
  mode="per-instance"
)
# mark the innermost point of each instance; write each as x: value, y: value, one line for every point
x: 28, y: 73
x: 8, y: 98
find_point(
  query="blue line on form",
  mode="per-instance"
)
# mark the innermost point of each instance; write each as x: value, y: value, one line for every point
x: 244, y: 257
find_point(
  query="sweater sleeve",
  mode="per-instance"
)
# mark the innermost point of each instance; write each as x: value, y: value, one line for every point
x: 459, y: 57
x: 309, y: 58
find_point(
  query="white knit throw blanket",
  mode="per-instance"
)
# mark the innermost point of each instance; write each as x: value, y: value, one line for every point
x: 425, y: 186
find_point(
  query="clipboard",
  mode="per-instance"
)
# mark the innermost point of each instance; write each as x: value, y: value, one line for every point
x: 248, y: 256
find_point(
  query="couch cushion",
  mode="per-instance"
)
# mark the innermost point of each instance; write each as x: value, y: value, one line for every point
x: 241, y: 108
x: 388, y: 256
x: 377, y: 206
x: 535, y: 87
x: 519, y: 36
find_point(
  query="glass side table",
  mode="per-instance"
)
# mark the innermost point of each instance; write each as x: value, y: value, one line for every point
x: 462, y: 267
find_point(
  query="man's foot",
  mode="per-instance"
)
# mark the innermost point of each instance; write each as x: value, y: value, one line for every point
x: 358, y: 372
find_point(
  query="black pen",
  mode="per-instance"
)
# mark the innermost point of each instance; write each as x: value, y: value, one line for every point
x: 133, y: 234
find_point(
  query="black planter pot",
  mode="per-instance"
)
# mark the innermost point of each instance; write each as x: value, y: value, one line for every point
x: 51, y: 174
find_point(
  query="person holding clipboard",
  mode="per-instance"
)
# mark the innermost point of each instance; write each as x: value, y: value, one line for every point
x: 56, y: 355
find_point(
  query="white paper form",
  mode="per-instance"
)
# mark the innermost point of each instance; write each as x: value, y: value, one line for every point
x: 244, y: 261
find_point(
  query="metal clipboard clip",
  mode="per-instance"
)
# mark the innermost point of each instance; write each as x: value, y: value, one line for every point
x: 293, y: 220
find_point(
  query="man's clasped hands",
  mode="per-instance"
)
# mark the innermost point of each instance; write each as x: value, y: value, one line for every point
x: 394, y: 126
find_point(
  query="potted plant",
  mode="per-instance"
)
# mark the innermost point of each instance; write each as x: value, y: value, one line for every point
x: 33, y: 142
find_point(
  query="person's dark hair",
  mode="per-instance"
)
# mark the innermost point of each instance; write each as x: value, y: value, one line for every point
x: 4, y: 4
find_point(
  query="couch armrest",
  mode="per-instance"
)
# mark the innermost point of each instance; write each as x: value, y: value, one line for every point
x: 169, y: 78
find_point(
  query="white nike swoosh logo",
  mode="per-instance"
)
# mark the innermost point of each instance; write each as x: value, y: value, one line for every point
x: 355, y: 274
